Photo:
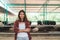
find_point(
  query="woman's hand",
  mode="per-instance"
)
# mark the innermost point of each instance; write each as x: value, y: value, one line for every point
x: 27, y: 30
x: 22, y: 30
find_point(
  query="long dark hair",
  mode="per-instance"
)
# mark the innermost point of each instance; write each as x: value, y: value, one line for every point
x: 25, y: 18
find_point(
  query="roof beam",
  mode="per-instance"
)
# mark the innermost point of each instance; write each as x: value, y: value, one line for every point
x: 33, y: 4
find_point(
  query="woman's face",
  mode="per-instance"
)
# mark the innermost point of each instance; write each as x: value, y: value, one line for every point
x: 21, y: 15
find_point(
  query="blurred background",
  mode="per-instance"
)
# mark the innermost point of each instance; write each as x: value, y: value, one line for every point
x: 44, y: 17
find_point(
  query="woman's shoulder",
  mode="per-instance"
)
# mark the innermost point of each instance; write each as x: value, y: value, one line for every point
x: 28, y: 22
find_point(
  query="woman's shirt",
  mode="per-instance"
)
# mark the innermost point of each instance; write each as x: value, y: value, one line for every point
x: 22, y: 34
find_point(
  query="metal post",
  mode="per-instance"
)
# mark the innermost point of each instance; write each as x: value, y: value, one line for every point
x: 6, y: 13
x: 25, y: 5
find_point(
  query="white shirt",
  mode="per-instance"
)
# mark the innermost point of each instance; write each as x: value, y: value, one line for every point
x: 22, y: 34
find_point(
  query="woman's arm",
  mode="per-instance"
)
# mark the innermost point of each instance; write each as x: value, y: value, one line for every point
x: 28, y: 28
x: 25, y: 30
x: 16, y: 30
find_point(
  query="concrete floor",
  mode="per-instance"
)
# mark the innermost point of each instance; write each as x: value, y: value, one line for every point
x: 33, y: 37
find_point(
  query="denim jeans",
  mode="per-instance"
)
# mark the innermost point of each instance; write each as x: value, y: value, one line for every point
x: 22, y: 38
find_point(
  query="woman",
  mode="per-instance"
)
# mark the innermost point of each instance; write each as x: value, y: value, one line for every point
x: 22, y: 27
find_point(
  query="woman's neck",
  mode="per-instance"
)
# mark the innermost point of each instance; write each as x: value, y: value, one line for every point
x: 21, y: 19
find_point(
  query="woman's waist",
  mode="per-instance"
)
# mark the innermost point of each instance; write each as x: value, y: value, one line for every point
x: 22, y: 34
